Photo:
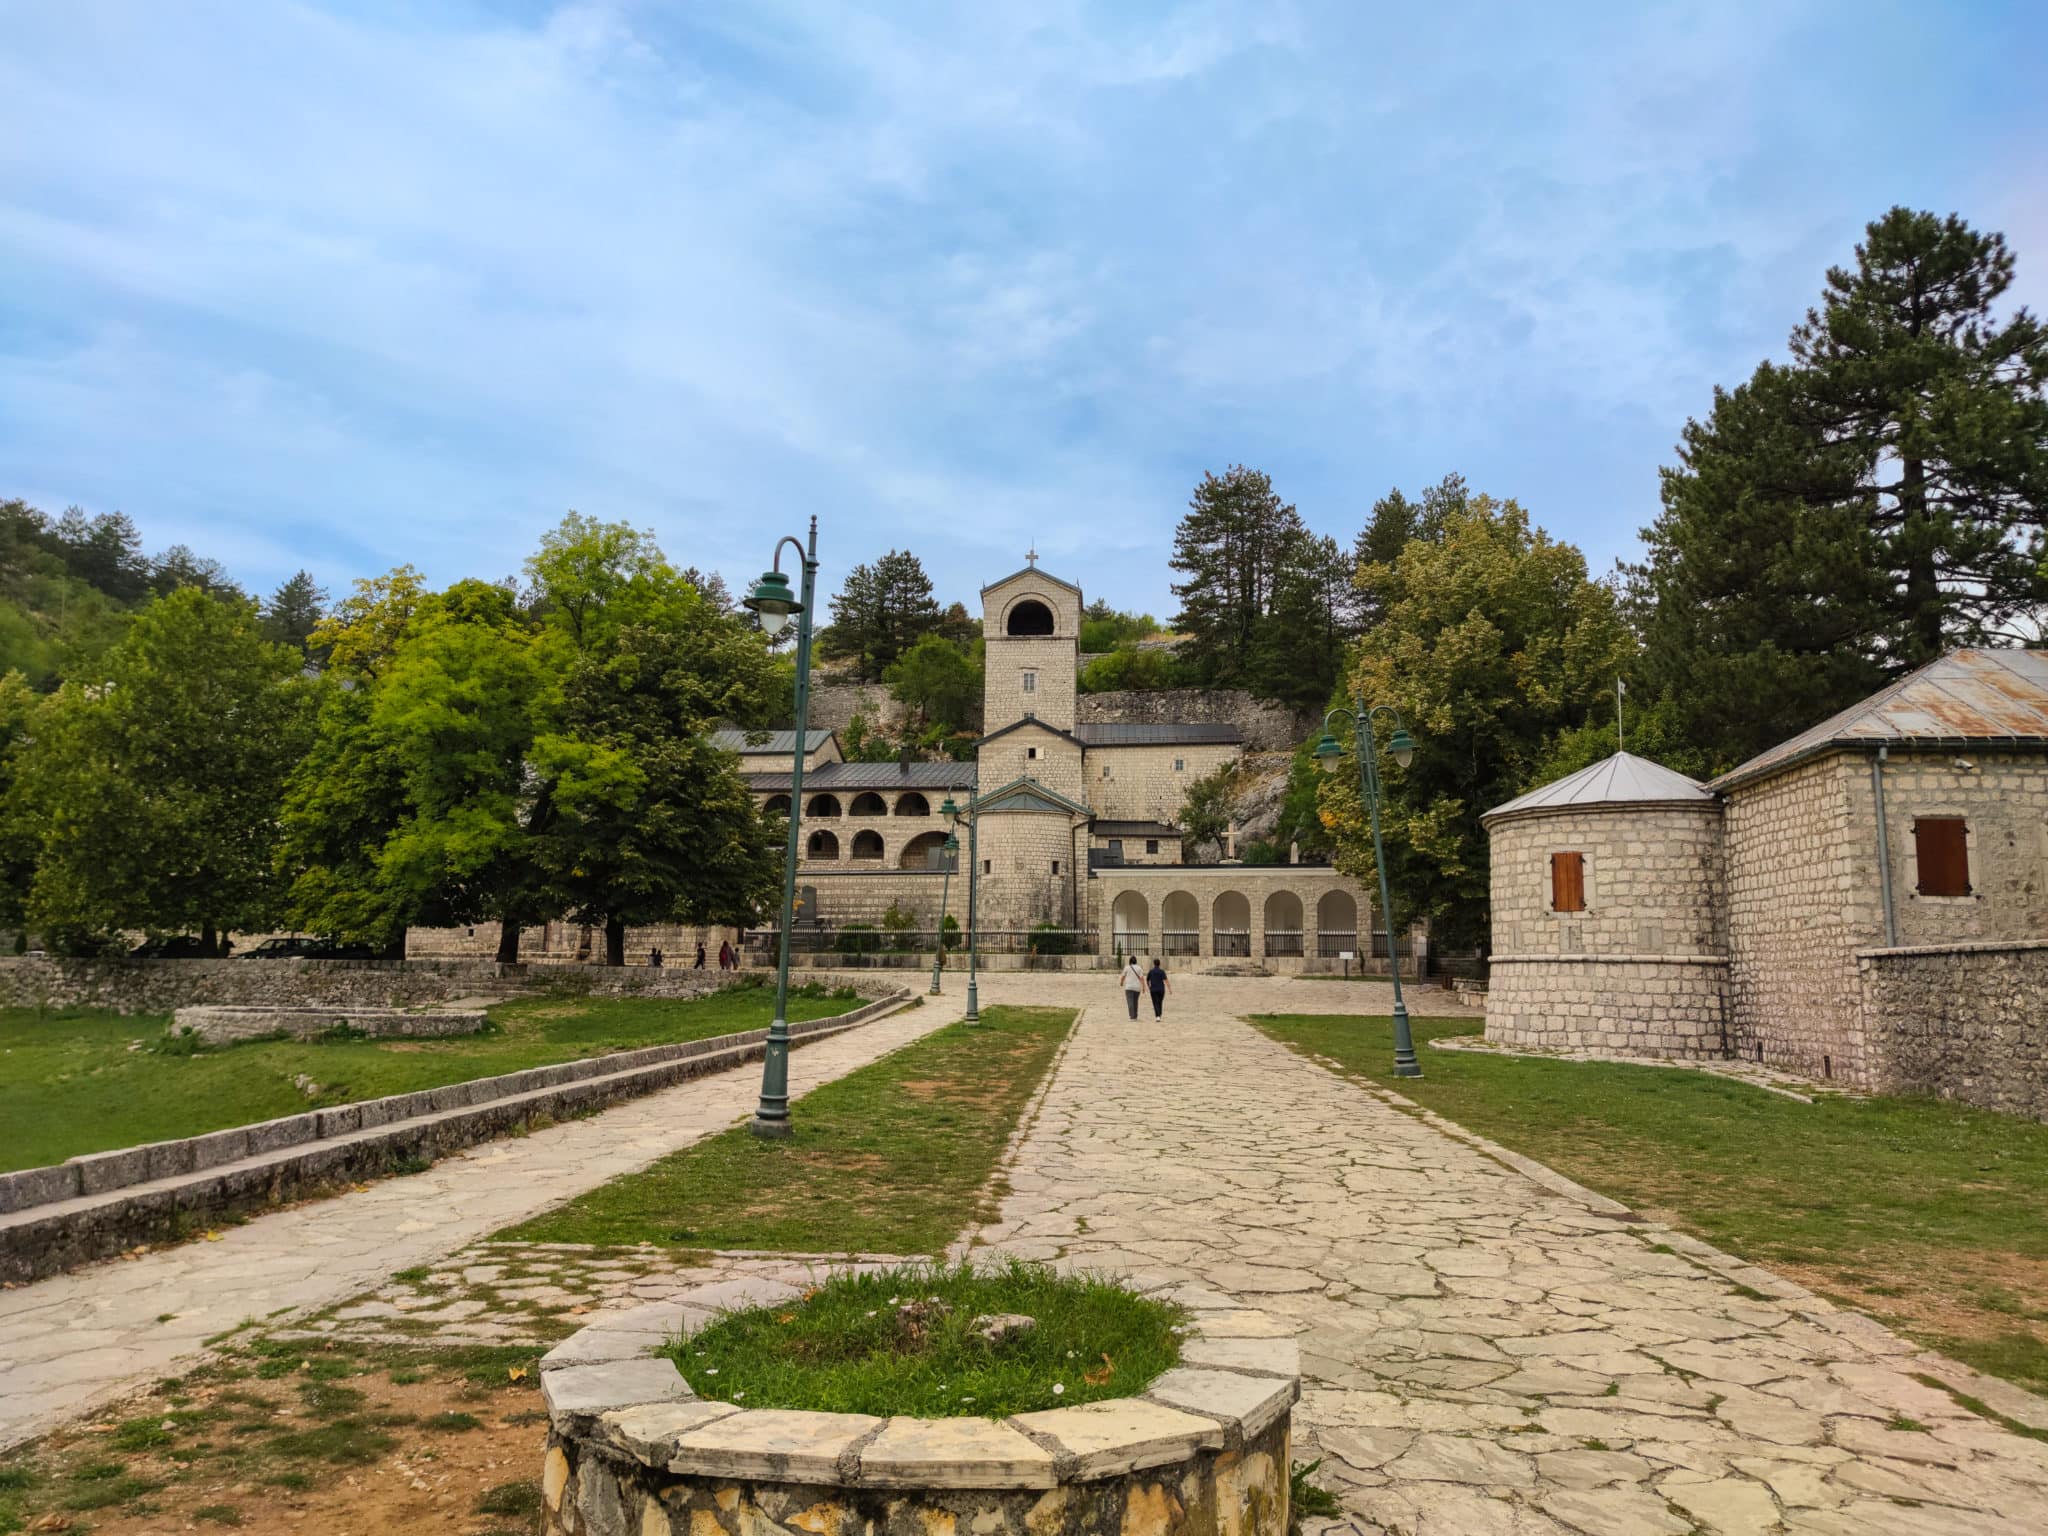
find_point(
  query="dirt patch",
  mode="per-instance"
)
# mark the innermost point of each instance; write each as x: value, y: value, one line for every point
x: 353, y: 1443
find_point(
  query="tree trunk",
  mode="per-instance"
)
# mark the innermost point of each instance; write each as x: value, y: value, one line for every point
x: 508, y: 941
x: 615, y: 941
x: 209, y: 939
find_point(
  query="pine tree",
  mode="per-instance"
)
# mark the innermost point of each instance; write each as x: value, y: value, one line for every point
x: 1231, y: 547
x: 881, y: 611
x: 294, y: 611
x: 1840, y: 519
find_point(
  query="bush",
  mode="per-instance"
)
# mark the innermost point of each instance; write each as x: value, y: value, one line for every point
x: 900, y: 926
x: 1051, y: 939
x: 859, y: 939
x: 950, y: 932
x: 1259, y: 853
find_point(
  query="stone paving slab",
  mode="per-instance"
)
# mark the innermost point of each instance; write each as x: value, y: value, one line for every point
x: 74, y: 1341
x: 1486, y: 1347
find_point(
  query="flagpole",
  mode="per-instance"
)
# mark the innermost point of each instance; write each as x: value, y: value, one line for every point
x: 1620, y: 740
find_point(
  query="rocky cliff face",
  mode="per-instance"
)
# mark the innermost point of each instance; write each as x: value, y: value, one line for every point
x: 1267, y: 727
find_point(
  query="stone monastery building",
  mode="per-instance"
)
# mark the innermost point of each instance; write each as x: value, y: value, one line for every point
x: 1077, y: 825
x: 1867, y: 902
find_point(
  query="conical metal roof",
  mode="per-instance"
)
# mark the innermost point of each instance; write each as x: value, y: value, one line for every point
x: 1623, y: 779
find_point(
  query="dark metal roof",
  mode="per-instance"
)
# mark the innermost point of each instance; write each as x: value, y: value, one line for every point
x: 1966, y: 698
x: 838, y: 776
x: 1136, y: 829
x: 765, y: 743
x: 1122, y: 734
x: 1018, y: 725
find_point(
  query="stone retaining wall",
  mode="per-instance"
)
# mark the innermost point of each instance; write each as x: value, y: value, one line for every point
x: 1645, y: 1005
x: 1962, y: 1021
x: 1266, y: 726
x: 90, y: 1207
x: 632, y: 1451
x: 217, y: 1025
x: 164, y: 986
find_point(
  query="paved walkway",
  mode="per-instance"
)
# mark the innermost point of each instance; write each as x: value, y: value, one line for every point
x: 1486, y: 1351
x: 77, y: 1340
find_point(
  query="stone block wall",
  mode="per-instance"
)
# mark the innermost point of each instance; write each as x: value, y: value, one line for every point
x: 218, y: 1025
x: 1267, y: 727
x: 1645, y: 1005
x: 1802, y: 899
x: 1143, y: 783
x: 1003, y: 699
x: 1057, y: 765
x: 1029, y: 873
x: 164, y: 986
x: 1966, y: 1022
x: 1654, y: 879
x: 2003, y: 799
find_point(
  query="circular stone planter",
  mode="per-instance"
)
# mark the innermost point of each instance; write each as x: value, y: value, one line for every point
x: 632, y: 1451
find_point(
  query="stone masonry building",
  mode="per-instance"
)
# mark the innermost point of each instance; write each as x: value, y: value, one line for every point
x: 1866, y: 902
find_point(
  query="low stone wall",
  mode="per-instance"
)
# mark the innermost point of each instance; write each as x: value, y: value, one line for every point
x: 1643, y: 1005
x: 218, y: 1025
x: 632, y: 1451
x: 1266, y: 726
x: 1960, y: 1021
x: 100, y: 1204
x: 164, y: 986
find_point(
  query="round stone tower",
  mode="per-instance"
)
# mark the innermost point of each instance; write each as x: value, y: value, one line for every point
x: 1608, y: 914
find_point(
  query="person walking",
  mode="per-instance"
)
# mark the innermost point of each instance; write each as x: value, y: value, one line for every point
x: 1155, y: 983
x: 1134, y: 983
x: 700, y: 955
x: 724, y: 955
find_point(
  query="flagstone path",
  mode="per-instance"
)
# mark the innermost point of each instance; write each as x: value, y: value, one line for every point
x: 1486, y: 1348
x: 77, y: 1340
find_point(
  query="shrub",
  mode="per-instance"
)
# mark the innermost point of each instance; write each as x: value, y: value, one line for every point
x: 859, y: 939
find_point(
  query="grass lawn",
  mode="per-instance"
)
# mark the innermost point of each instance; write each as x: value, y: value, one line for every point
x: 892, y: 1158
x: 905, y: 1342
x: 1932, y: 1217
x: 72, y: 1081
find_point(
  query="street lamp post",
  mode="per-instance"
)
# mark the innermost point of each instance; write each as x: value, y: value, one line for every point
x: 772, y: 602
x: 1401, y: 746
x: 973, y: 888
x: 952, y: 851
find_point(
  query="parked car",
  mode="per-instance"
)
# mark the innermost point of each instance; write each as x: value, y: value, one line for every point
x: 172, y: 946
x: 296, y: 948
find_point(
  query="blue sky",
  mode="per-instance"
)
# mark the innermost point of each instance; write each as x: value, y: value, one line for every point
x: 347, y: 285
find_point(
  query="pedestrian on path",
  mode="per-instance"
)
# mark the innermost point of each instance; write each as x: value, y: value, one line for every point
x: 1155, y: 983
x: 700, y: 957
x: 1134, y: 983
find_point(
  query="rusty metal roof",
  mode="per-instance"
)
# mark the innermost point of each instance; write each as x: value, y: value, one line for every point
x: 1966, y: 698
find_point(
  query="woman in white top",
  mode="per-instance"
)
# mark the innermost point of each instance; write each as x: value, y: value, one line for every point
x: 1134, y: 983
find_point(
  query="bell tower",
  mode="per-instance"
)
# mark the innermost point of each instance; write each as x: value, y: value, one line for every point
x: 1031, y: 628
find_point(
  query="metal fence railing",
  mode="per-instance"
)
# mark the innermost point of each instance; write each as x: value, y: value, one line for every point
x: 1186, y: 942
x: 1331, y: 943
x: 1282, y: 942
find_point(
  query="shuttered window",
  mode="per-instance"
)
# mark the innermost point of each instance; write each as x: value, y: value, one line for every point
x: 1941, y: 847
x: 1567, y: 882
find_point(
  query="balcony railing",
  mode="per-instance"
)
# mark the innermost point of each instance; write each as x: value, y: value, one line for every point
x: 1331, y: 943
x: 1233, y: 945
x: 1188, y: 942
x: 1283, y: 943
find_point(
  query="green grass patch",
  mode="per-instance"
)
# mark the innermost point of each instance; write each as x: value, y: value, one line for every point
x: 1925, y: 1214
x: 510, y: 1499
x: 908, y: 1341
x: 893, y: 1158
x: 69, y: 1084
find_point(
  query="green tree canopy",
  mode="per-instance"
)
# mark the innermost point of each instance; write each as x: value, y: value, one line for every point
x: 1495, y: 641
x: 1844, y: 517
x: 939, y: 683
x: 880, y: 612
x: 294, y: 612
x: 154, y: 788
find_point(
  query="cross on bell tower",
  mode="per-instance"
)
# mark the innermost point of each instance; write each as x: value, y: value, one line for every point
x: 1031, y: 556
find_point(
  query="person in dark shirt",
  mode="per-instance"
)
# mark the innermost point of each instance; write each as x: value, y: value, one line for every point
x: 1155, y: 983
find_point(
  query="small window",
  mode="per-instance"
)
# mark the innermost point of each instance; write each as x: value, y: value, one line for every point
x: 1055, y: 866
x: 1180, y: 765
x: 1567, y: 882
x: 1105, y: 770
x: 1116, y: 848
x: 1151, y: 845
x: 1031, y: 682
x: 1941, y: 847
x: 1031, y: 751
x: 988, y: 866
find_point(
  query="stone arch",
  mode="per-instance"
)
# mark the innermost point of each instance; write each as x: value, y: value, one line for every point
x: 867, y: 844
x: 823, y: 845
x: 1283, y: 923
x: 868, y: 803
x: 912, y: 803
x: 1028, y: 617
x: 1336, y: 924
x: 1180, y: 924
x: 1130, y: 920
x: 822, y: 805
x: 1231, y: 917
x: 775, y: 805
x: 924, y: 851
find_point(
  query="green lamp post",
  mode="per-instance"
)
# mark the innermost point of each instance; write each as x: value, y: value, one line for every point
x: 774, y: 605
x: 951, y: 848
x: 973, y: 887
x: 1401, y: 747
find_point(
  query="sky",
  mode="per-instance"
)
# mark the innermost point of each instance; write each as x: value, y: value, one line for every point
x: 350, y: 285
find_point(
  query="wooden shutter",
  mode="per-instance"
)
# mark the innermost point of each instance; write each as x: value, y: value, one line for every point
x: 1567, y: 882
x: 1941, y: 846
